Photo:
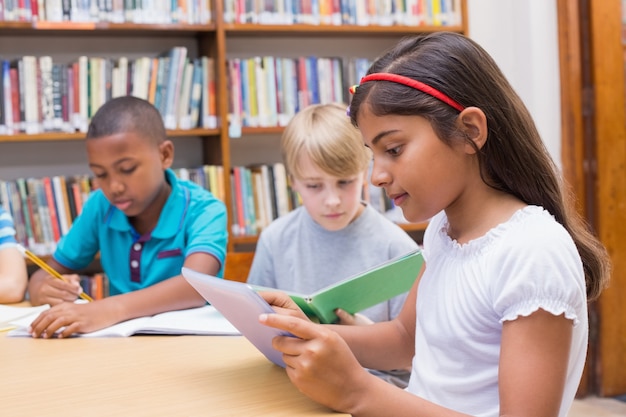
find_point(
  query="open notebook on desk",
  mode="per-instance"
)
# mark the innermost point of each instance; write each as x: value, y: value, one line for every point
x: 194, y: 321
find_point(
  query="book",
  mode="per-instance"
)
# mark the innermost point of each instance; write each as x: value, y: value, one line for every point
x: 360, y: 291
x: 204, y: 320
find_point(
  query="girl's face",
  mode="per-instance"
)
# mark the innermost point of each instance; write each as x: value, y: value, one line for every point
x: 333, y: 202
x: 419, y: 172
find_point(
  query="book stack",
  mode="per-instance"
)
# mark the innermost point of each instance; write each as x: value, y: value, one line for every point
x: 38, y: 95
x: 96, y: 286
x: 43, y: 209
x: 345, y: 12
x: 81, y: 11
x: 268, y: 91
x: 260, y: 194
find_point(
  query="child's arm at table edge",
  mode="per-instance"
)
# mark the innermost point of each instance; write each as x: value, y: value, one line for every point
x: 174, y: 293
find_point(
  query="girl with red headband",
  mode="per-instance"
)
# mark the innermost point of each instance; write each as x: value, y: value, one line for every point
x: 496, y: 324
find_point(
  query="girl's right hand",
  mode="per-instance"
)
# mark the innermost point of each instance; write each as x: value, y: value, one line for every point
x: 356, y: 319
x: 318, y: 361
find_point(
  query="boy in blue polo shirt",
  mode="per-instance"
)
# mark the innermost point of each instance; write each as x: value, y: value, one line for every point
x: 13, y: 275
x: 145, y: 223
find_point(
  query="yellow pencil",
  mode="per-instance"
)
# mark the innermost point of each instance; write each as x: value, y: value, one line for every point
x: 41, y: 264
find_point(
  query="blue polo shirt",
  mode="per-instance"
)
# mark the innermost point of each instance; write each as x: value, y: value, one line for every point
x: 7, y: 230
x: 192, y: 220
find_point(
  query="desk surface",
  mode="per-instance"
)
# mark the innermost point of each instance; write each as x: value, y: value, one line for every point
x: 145, y: 376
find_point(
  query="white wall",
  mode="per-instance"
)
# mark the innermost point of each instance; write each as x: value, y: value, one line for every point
x: 522, y: 36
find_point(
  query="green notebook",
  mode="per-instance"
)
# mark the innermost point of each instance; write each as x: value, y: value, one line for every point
x: 363, y: 290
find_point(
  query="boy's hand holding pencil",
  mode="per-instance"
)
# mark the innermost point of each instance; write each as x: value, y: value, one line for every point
x: 62, y: 287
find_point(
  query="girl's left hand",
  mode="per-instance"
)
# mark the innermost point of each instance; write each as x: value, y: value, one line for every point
x: 65, y: 319
x: 357, y: 319
x: 319, y: 362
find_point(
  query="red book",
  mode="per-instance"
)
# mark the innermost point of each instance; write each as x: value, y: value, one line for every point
x: 97, y: 286
x: 241, y: 215
x: 21, y: 10
x: 78, y: 198
x: 52, y: 208
x: 76, y: 91
x: 303, y: 86
x: 212, y: 89
x: 34, y: 7
x: 15, y: 98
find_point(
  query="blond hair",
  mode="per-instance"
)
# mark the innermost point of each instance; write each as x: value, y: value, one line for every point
x: 325, y: 134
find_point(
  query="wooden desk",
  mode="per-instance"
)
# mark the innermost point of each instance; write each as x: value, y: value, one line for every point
x: 145, y: 376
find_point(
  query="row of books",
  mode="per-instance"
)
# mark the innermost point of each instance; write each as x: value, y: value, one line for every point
x: 115, y: 11
x: 96, y: 286
x: 40, y: 95
x: 260, y: 194
x: 267, y: 91
x: 344, y: 12
x: 43, y: 209
x: 209, y: 177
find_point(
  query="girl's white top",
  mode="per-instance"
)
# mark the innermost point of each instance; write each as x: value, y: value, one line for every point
x: 468, y: 291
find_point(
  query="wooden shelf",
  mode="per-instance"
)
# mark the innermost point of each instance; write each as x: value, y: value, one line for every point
x: 330, y: 30
x: 99, y: 28
x: 252, y: 239
x: 243, y: 240
x: 413, y: 227
x: 262, y: 130
x: 64, y: 136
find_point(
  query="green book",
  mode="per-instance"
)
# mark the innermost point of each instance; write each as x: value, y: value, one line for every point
x: 362, y: 290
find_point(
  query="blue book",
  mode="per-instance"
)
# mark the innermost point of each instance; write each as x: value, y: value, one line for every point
x: 196, y: 94
x: 245, y: 94
x: 249, y: 206
x: 161, y: 85
x: 313, y: 80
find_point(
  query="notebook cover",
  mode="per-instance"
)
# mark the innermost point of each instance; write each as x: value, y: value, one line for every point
x: 363, y: 290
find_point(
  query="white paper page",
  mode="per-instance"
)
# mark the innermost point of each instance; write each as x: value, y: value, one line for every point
x: 196, y: 321
x: 19, y: 316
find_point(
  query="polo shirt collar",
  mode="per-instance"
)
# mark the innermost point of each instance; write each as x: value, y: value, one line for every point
x: 171, y: 217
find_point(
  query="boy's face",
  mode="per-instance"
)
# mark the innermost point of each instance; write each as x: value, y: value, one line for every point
x: 129, y: 170
x: 331, y: 201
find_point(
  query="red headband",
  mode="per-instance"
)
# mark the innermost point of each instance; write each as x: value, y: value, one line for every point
x: 424, y: 88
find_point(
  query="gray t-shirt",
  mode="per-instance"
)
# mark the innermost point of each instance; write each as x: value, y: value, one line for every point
x: 297, y: 254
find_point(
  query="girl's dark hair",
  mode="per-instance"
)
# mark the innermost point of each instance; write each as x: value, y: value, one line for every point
x: 127, y: 114
x: 514, y: 159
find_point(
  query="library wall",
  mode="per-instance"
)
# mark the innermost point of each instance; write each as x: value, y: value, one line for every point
x: 522, y: 36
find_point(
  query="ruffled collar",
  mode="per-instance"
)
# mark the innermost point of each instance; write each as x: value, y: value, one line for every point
x: 481, y: 244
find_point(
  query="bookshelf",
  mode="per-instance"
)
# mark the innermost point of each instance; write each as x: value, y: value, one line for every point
x: 219, y: 40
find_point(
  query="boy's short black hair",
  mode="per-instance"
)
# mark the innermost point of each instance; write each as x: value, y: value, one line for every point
x: 127, y: 114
